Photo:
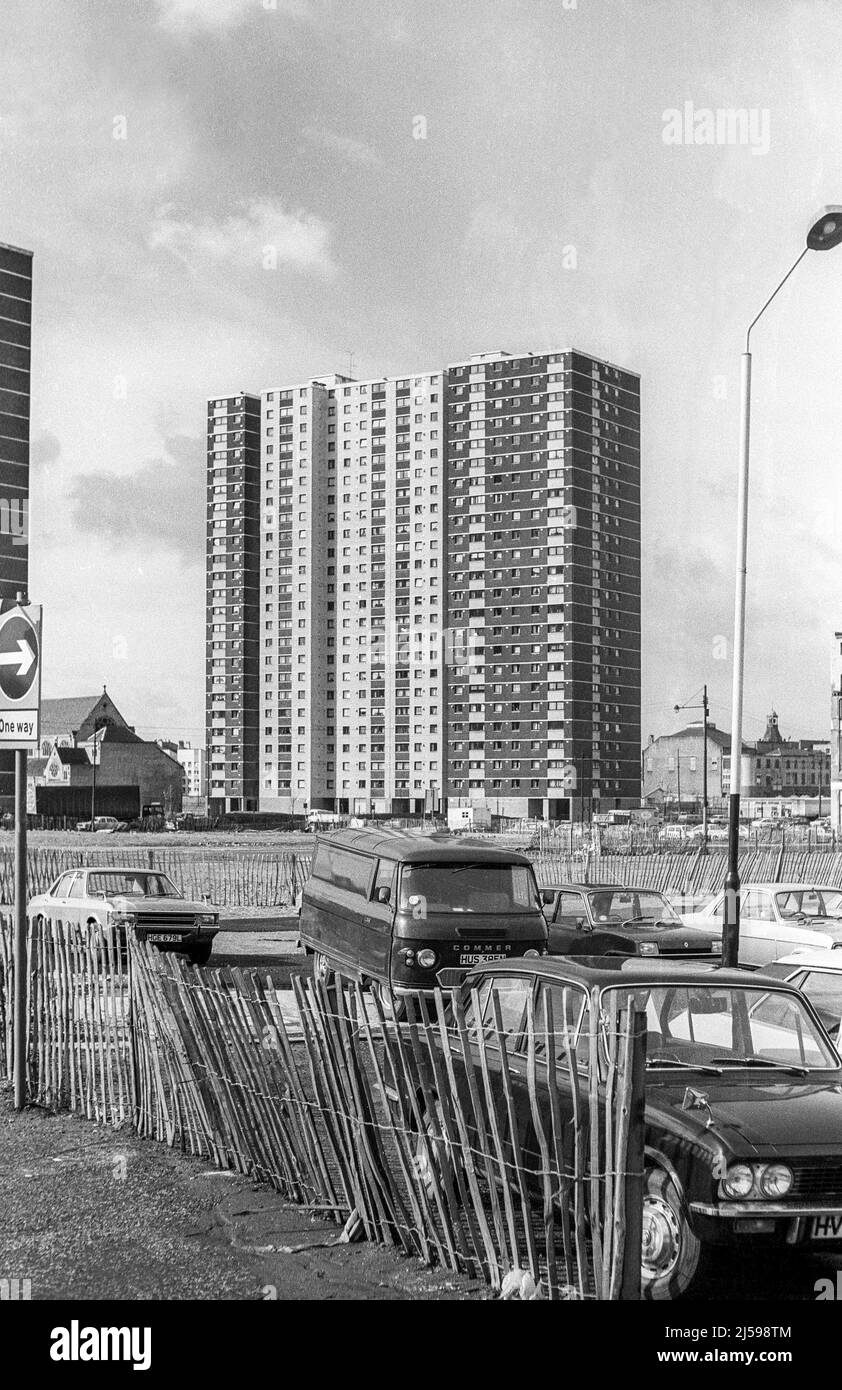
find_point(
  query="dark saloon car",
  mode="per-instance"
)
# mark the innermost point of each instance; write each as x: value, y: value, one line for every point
x: 598, y: 919
x: 145, y: 899
x: 743, y: 1139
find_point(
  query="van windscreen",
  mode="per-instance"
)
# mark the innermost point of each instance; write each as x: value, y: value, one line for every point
x: 480, y: 888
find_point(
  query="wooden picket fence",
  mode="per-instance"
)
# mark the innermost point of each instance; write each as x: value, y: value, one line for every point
x: 522, y: 1171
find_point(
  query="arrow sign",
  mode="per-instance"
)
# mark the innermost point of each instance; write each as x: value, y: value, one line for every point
x: 20, y: 648
x: 23, y: 658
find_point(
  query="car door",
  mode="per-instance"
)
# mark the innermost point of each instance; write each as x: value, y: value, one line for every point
x: 567, y: 933
x: 790, y: 934
x: 758, y: 928
x: 511, y: 994
x: 57, y: 898
x: 823, y: 988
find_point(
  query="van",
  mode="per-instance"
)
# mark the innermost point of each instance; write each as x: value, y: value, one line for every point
x: 322, y: 820
x: 393, y: 909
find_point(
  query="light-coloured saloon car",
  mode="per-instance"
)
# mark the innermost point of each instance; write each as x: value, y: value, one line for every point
x: 777, y: 918
x: 146, y: 899
x: 818, y: 974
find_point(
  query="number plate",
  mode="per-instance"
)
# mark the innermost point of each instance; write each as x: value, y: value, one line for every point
x: 164, y: 936
x: 827, y: 1228
x: 479, y: 957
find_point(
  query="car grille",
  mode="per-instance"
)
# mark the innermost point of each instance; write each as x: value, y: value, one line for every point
x: 816, y: 1181
x: 166, y: 919
x: 686, y: 955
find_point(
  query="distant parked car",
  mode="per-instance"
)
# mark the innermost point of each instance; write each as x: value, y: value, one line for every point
x: 117, y: 898
x: 102, y: 825
x: 818, y: 974
x: 596, y: 919
x: 776, y: 918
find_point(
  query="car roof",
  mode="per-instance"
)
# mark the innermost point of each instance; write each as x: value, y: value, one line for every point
x: 609, y: 970
x: 406, y: 847
x: 811, y: 959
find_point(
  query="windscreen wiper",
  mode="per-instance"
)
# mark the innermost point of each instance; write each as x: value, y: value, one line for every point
x: 791, y: 1067
x: 685, y: 1066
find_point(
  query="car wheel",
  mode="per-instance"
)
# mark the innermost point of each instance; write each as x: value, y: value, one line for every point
x: 321, y: 966
x: 394, y: 1008
x: 200, y: 955
x: 430, y: 1151
x: 671, y: 1250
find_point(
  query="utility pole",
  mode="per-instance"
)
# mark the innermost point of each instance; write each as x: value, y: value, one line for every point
x: 705, y: 766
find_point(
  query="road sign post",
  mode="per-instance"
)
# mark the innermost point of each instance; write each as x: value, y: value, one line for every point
x: 20, y: 705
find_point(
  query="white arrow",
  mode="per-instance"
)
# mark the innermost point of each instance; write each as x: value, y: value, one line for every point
x: 23, y: 658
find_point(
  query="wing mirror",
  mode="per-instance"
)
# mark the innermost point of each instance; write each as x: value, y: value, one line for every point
x: 547, y: 896
x: 583, y: 925
x: 383, y: 894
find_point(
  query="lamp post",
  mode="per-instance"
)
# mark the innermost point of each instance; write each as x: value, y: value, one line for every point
x: 825, y: 232
x: 704, y: 707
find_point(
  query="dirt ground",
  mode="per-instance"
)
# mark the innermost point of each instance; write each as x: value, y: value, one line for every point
x: 90, y: 1212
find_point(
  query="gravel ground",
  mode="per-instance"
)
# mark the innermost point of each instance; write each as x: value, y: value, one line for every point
x: 95, y: 1213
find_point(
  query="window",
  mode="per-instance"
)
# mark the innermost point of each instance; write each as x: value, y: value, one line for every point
x: 510, y: 995
x: 343, y: 869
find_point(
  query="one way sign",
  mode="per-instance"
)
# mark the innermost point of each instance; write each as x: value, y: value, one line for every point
x: 20, y: 676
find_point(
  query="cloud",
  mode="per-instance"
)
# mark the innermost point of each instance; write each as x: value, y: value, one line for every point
x: 180, y: 16
x: 262, y: 235
x: 45, y: 448
x: 356, y: 151
x: 161, y: 505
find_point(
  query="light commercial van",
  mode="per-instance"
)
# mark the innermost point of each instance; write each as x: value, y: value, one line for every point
x: 392, y: 910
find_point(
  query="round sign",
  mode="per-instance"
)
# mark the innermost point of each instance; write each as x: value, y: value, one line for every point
x: 18, y: 657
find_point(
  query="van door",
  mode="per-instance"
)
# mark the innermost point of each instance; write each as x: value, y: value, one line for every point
x: 376, y: 935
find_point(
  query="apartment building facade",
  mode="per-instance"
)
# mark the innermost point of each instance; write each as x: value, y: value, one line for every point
x: 449, y: 589
x: 232, y: 638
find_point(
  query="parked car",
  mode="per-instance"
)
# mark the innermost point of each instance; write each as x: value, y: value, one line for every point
x: 102, y: 824
x: 743, y: 1137
x: 596, y: 919
x: 393, y: 909
x: 145, y: 899
x: 776, y: 918
x: 818, y: 974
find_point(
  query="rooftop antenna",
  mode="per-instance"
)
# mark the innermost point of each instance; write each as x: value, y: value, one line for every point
x: 350, y: 364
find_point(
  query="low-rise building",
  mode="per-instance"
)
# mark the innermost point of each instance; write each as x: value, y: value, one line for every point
x: 130, y: 773
x: 773, y: 767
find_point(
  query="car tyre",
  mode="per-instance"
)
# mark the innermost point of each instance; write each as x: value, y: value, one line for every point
x: 672, y: 1252
x: 394, y: 1008
x: 200, y: 955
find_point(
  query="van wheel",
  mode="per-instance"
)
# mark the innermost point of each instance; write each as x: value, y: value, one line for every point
x: 394, y: 1009
x: 672, y: 1253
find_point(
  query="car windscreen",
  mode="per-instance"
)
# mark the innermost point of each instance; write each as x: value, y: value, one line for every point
x: 809, y: 902
x: 129, y: 883
x: 723, y: 1026
x: 431, y: 889
x: 628, y: 906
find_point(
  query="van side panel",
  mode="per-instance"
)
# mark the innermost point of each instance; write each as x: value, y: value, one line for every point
x: 335, y: 904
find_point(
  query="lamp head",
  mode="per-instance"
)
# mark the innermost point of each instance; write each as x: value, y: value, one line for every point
x: 826, y: 229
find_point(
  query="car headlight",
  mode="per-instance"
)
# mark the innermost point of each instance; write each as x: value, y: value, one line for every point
x: 648, y: 948
x: 774, y: 1180
x: 206, y: 919
x: 426, y: 958
x: 120, y: 919
x: 738, y: 1181
x: 531, y: 952
x: 716, y: 948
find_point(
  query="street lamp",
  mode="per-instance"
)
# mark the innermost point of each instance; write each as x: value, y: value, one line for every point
x: 825, y: 232
x: 705, y: 709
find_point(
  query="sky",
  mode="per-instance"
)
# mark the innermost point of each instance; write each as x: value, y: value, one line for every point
x: 432, y: 178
